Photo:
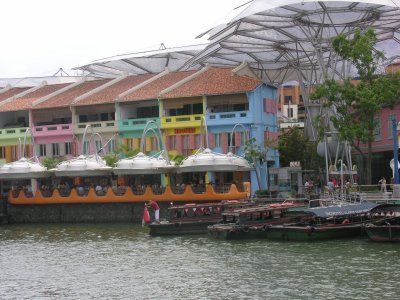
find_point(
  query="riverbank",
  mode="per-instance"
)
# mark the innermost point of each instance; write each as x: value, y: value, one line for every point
x: 79, y: 213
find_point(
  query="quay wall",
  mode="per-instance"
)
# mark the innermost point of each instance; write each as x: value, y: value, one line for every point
x: 81, y: 213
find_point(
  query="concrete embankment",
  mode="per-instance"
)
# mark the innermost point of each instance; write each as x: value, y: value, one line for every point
x: 80, y: 213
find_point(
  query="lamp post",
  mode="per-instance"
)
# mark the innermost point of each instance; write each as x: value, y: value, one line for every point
x: 395, y: 152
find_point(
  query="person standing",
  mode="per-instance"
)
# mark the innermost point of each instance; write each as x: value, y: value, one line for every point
x: 156, y: 208
x: 382, y: 182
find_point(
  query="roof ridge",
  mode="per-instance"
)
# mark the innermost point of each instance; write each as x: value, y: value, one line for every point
x: 58, y: 92
x: 140, y: 85
x: 28, y: 91
x: 184, y: 80
x: 98, y: 89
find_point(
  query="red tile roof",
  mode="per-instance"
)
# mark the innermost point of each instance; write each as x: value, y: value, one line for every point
x: 110, y: 93
x: 65, y: 99
x: 153, y: 89
x: 12, y: 92
x: 214, y: 81
x: 25, y: 102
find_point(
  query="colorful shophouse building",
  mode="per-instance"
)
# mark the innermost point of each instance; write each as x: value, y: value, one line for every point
x: 179, y: 102
x: 225, y: 100
x: 16, y: 117
x: 53, y: 120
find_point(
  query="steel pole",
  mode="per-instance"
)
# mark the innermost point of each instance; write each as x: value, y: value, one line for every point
x: 395, y: 152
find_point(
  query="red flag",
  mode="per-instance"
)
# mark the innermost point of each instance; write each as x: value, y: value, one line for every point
x: 146, y: 216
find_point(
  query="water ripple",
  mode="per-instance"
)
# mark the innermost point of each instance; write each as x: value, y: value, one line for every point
x: 121, y: 261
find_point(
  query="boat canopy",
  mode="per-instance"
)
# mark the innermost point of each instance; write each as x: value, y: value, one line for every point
x: 343, y: 210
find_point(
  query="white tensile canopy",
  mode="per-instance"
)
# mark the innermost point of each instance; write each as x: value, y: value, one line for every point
x: 144, y: 62
x: 291, y: 39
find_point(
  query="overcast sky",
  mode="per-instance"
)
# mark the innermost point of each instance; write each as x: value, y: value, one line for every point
x: 39, y: 37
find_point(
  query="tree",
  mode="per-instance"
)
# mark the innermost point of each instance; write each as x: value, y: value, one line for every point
x: 356, y: 103
x: 294, y: 146
x: 51, y: 162
x: 257, y: 154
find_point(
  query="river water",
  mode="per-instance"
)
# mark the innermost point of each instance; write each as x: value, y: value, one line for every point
x: 121, y: 261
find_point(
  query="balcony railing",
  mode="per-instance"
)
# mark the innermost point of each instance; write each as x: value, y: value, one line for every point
x: 229, y: 117
x: 99, y: 126
x: 12, y: 133
x: 135, y: 124
x: 180, y: 121
x: 48, y: 130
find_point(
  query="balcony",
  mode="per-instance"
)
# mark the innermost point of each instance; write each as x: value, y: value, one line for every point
x: 51, y: 130
x: 229, y: 118
x: 136, y: 124
x: 12, y: 133
x: 181, y: 121
x: 99, y: 127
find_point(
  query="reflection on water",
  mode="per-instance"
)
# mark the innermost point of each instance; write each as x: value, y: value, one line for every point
x: 123, y: 262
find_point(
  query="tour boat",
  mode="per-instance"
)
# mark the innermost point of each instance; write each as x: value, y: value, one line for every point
x: 193, y: 218
x: 347, y: 220
x: 252, y: 222
x: 386, y: 228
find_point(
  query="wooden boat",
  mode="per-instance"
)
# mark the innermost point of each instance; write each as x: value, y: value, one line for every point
x: 193, y: 218
x: 386, y: 228
x: 325, y: 223
x: 253, y: 222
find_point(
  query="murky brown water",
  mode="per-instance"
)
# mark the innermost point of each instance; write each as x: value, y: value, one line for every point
x: 123, y: 262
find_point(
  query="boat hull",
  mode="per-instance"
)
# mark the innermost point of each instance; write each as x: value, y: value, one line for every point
x: 180, y: 228
x: 313, y: 233
x: 383, y: 233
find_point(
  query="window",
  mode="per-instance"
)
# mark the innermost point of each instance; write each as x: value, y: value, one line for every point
x: 390, y: 126
x: 377, y: 131
x: 172, y: 141
x: 99, y: 146
x: 154, y: 143
x: 42, y: 150
x: 243, y: 138
x: 147, y: 112
x: 217, y: 140
x: 86, y: 148
x: 197, y: 139
x: 197, y: 108
x: 185, y: 142
x: 14, y: 153
x: 187, y: 109
x: 2, y: 152
x: 290, y: 112
x: 111, y: 146
x: 104, y: 117
x: 68, y: 149
x: 288, y: 99
x: 56, y: 149
x: 240, y: 107
x: 231, y: 137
